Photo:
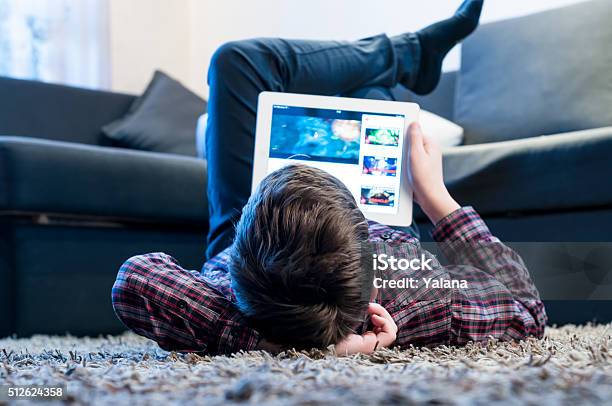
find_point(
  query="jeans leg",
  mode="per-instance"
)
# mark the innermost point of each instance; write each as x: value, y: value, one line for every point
x: 239, y: 71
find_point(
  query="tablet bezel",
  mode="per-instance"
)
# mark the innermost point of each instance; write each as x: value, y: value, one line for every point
x: 403, y: 217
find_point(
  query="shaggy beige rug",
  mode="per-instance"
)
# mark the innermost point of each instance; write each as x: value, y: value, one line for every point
x: 572, y: 365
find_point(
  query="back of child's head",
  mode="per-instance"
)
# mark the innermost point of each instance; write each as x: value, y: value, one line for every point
x: 296, y: 259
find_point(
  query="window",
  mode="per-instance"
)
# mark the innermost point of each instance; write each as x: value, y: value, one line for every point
x: 63, y: 41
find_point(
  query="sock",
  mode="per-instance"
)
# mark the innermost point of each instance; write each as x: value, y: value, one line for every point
x: 438, y: 39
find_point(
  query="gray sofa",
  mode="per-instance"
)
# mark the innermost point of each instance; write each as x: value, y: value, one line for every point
x: 534, y: 95
x: 547, y: 196
x: 73, y: 206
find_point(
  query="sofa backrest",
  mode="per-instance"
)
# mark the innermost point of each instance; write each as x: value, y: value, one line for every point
x: 542, y: 74
x: 441, y: 101
x: 56, y: 112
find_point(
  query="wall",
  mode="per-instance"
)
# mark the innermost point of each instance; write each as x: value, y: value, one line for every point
x: 180, y: 36
x: 146, y: 35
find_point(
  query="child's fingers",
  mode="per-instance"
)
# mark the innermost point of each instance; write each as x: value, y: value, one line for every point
x: 416, y: 138
x: 377, y: 320
x: 381, y: 323
x: 376, y: 309
x: 386, y: 333
x: 385, y: 339
x: 429, y: 144
x: 354, y: 344
x: 369, y: 342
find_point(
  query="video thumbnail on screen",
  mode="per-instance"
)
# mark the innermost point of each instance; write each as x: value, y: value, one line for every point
x: 315, y: 138
x: 382, y: 136
x: 378, y: 196
x: 379, y: 166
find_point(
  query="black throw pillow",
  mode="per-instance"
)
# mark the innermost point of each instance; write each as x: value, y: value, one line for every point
x: 163, y: 119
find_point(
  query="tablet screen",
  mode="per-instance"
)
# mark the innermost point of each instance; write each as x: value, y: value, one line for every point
x: 362, y: 149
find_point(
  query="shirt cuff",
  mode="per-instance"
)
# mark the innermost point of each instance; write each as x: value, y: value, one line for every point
x: 234, y: 334
x: 462, y: 225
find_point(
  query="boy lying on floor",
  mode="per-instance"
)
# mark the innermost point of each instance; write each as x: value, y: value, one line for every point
x: 289, y: 274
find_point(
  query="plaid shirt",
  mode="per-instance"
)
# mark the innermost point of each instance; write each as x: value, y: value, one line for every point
x: 186, y: 310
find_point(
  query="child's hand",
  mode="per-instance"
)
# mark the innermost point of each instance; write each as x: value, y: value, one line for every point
x: 427, y: 176
x: 384, y: 334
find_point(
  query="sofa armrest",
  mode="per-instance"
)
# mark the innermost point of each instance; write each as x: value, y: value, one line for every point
x: 555, y: 172
x: 67, y: 178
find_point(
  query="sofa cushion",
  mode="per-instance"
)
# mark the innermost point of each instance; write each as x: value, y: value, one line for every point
x: 56, y: 112
x: 67, y: 178
x: 163, y: 119
x: 558, y: 172
x: 446, y: 133
x: 545, y: 73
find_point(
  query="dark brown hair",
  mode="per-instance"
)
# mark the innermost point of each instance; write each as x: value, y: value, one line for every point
x: 296, y: 260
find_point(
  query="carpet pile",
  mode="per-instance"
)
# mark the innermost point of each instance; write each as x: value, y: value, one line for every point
x: 571, y: 365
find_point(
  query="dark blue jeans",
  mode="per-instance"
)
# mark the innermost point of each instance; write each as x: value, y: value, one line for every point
x: 239, y: 71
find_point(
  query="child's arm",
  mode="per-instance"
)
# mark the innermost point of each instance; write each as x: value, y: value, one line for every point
x: 465, y: 239
x: 502, y: 300
x: 158, y: 299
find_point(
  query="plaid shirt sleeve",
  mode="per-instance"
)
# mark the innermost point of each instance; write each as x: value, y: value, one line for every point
x: 177, y: 308
x: 502, y: 301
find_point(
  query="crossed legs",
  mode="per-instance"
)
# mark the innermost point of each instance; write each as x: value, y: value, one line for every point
x: 241, y: 70
x: 367, y: 68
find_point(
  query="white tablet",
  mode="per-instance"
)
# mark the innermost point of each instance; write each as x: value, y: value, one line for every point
x: 359, y: 141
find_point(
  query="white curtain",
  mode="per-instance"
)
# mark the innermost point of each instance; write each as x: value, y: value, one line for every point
x: 63, y: 41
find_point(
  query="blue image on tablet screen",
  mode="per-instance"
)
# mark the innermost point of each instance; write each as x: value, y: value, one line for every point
x: 315, y: 134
